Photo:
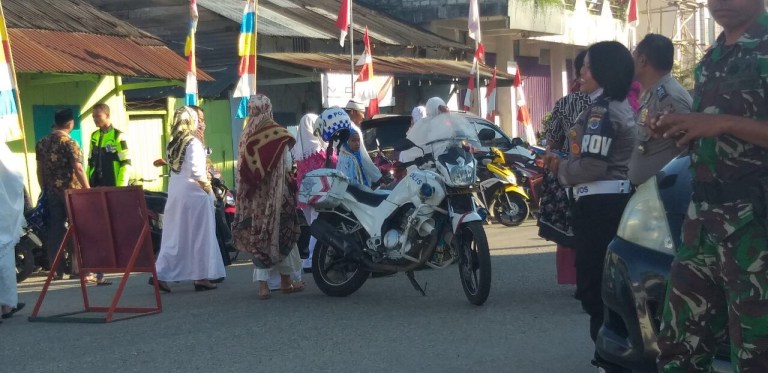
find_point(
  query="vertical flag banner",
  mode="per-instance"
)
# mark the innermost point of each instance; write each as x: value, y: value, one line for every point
x: 343, y: 21
x: 632, y: 19
x: 246, y: 85
x: 491, y: 96
x: 10, y: 123
x: 365, y: 81
x: 474, y: 21
x: 467, y: 104
x: 473, y: 31
x: 190, y: 98
x: 523, y: 116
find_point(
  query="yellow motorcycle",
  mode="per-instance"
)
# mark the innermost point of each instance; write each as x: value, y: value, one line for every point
x: 498, y: 189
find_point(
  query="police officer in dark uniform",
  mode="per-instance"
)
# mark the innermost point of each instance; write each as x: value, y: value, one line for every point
x: 654, y: 57
x: 601, y: 143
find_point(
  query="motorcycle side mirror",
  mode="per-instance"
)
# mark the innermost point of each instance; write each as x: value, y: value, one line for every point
x: 486, y: 161
x: 403, y: 144
x: 486, y: 134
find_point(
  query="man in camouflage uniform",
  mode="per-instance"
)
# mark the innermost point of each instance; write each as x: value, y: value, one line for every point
x: 719, y: 278
x: 654, y: 56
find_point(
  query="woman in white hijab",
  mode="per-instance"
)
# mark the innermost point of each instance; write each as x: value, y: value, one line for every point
x: 11, y: 222
x: 309, y: 155
x: 434, y: 107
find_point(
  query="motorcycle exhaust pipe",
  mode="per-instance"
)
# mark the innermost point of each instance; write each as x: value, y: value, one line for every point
x: 327, y: 234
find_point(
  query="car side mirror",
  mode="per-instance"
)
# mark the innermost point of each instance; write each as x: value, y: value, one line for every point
x: 517, y: 142
x: 486, y: 134
x: 403, y: 144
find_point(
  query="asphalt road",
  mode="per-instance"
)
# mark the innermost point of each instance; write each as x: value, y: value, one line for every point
x: 528, y: 324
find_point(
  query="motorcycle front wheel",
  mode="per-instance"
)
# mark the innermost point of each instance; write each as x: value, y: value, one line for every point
x: 475, y: 263
x: 511, y: 209
x: 334, y: 274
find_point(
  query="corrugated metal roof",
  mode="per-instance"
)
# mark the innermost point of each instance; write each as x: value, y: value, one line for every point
x: 67, y: 16
x: 69, y: 52
x: 423, y: 67
x: 316, y: 19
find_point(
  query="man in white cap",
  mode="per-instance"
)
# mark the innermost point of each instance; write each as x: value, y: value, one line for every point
x: 356, y: 111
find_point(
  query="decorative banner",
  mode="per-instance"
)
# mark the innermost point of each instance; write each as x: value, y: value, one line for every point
x: 337, y: 89
x: 365, y: 80
x: 189, y: 50
x: 246, y: 85
x: 10, y: 123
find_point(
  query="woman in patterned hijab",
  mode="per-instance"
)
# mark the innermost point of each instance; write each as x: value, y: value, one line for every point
x: 266, y: 223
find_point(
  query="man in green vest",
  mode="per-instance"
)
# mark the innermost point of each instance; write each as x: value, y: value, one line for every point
x: 108, y: 162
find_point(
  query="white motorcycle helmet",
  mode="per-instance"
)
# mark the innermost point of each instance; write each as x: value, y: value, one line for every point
x: 333, y: 124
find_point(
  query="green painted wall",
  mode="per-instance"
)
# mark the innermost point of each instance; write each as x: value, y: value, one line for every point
x: 218, y: 137
x: 81, y: 91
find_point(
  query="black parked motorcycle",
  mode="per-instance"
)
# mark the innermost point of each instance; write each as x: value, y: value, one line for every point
x: 29, y: 252
x: 225, y: 213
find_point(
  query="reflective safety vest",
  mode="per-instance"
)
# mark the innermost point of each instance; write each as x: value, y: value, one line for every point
x: 108, y: 162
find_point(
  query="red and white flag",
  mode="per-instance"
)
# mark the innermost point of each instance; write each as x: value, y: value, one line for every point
x: 490, y: 94
x: 467, y: 104
x: 366, y: 90
x: 474, y: 21
x: 632, y: 19
x: 342, y: 21
x: 523, y: 115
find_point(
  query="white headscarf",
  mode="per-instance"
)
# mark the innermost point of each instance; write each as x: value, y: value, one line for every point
x: 307, y: 144
x: 419, y: 129
x: 418, y: 113
x: 372, y: 172
x: 433, y: 106
x: 11, y: 200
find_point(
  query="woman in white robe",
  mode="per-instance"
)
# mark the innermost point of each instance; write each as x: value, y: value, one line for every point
x: 189, y: 250
x: 11, y: 222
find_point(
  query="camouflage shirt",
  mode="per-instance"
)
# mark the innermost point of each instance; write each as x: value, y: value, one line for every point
x: 730, y: 80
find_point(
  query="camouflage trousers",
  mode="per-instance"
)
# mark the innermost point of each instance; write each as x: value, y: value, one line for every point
x: 717, y: 290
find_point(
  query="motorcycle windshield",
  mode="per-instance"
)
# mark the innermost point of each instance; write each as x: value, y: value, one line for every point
x: 436, y: 134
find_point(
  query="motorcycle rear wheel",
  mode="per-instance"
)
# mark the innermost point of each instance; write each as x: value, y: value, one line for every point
x: 25, y: 261
x: 475, y: 263
x: 512, y: 213
x: 335, y: 275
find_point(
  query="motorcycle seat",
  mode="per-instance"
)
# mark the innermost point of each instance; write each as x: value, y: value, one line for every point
x: 365, y: 197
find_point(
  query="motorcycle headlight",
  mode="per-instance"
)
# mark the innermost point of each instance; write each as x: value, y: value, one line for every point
x: 511, y: 179
x: 462, y: 175
x: 644, y: 221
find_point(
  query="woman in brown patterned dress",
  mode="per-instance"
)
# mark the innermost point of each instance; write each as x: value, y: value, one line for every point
x: 266, y: 224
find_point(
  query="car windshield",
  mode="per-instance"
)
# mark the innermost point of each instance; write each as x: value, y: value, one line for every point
x: 446, y: 126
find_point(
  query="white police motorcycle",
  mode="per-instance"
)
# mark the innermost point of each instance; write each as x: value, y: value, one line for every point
x: 429, y: 218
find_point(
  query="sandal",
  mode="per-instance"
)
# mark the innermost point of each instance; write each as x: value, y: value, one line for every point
x: 19, y: 307
x: 294, y: 287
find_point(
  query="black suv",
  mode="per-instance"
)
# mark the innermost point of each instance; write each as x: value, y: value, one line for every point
x: 637, y: 265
